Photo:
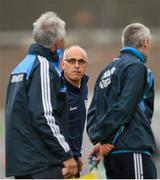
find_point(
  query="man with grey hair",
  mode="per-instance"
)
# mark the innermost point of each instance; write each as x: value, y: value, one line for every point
x: 36, y: 109
x: 121, y: 110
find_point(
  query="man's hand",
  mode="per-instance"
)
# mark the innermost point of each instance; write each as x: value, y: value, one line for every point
x: 96, y: 149
x: 80, y: 163
x: 70, y: 168
x: 106, y: 148
x: 100, y: 150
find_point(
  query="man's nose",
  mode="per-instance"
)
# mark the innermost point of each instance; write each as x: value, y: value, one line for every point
x: 76, y: 64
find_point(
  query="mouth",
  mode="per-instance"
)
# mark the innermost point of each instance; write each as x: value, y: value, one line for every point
x: 76, y: 72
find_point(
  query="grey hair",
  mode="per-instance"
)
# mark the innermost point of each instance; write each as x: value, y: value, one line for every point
x: 48, y: 28
x: 75, y: 46
x: 134, y: 35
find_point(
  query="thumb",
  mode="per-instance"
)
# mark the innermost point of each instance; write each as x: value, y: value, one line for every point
x: 64, y: 171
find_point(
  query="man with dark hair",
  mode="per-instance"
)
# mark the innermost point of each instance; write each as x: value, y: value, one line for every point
x: 122, y: 107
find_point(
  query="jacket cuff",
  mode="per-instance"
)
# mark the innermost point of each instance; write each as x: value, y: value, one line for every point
x: 67, y: 156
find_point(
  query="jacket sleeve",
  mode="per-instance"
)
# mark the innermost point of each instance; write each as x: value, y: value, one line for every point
x: 147, y: 103
x: 43, y: 106
x: 132, y: 89
x: 92, y: 129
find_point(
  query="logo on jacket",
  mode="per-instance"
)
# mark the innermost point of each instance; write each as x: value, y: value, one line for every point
x: 72, y: 108
x: 17, y: 78
x: 106, y: 78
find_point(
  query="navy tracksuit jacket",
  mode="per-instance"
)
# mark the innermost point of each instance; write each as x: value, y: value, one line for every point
x: 77, y: 99
x: 122, y: 106
x: 36, y: 115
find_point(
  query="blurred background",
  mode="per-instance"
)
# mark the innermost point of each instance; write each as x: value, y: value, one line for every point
x: 95, y: 25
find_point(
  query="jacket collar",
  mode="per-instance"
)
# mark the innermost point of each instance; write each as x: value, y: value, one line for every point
x: 36, y: 48
x: 135, y: 52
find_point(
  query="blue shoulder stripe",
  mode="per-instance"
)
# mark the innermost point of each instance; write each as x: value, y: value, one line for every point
x: 25, y: 66
x: 135, y: 52
x: 149, y: 78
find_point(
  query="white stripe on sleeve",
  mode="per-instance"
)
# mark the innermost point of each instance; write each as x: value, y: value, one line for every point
x: 46, y: 101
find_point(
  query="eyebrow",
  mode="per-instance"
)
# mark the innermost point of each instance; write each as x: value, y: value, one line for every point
x: 76, y: 58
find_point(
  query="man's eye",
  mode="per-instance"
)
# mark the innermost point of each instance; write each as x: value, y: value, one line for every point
x: 81, y: 61
x: 72, y: 60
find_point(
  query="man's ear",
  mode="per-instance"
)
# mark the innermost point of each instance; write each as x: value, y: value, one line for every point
x: 59, y: 43
x: 146, y: 43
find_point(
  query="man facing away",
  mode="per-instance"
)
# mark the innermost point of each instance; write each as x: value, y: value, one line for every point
x: 122, y: 107
x: 74, y: 65
x: 36, y: 109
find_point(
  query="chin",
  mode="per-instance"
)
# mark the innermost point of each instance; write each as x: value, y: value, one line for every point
x: 75, y: 78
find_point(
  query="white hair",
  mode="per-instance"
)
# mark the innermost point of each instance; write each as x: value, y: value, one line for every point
x: 134, y: 35
x: 75, y: 46
x: 47, y: 28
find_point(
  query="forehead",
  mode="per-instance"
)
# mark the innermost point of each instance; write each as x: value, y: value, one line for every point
x: 76, y: 52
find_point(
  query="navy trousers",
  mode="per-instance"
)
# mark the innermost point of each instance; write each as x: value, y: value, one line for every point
x: 129, y: 166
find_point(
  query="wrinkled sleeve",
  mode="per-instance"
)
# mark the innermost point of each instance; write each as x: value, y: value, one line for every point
x: 147, y: 103
x: 92, y: 121
x: 132, y: 90
x: 43, y: 106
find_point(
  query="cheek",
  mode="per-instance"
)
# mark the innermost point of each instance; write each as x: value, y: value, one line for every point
x: 66, y: 67
x: 83, y: 70
x: 80, y: 75
x: 68, y: 71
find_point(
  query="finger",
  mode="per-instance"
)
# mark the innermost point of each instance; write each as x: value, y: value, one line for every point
x: 111, y: 145
x: 65, y: 172
x: 69, y: 174
x: 99, y: 157
x: 73, y: 170
x: 108, y: 147
x: 106, y: 150
x: 93, y: 150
